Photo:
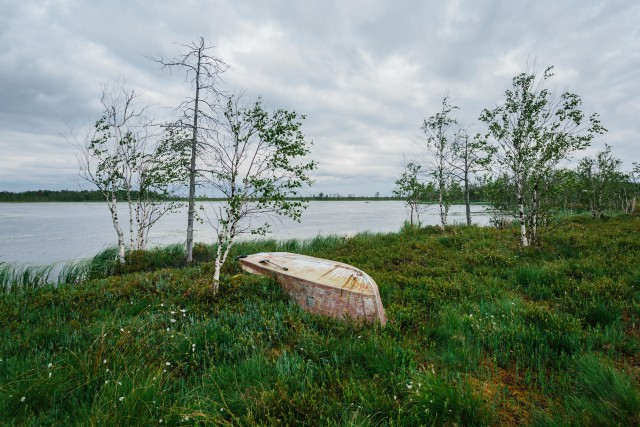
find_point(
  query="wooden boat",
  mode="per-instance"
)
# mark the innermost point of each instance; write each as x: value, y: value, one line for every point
x: 321, y: 286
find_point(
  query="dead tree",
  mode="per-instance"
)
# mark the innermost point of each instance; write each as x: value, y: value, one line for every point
x: 198, y: 112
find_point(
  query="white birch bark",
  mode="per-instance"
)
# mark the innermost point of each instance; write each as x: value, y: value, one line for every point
x: 113, y: 208
x: 521, y: 214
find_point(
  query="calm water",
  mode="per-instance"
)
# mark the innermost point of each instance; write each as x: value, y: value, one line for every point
x: 47, y: 233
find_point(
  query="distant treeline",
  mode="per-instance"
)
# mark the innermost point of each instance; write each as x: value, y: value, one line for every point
x: 477, y: 195
x: 56, y: 196
x: 96, y: 196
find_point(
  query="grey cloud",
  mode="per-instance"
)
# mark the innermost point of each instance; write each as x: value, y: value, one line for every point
x: 365, y: 72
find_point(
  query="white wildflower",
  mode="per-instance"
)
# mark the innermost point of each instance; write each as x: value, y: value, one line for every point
x: 49, y: 365
x: 121, y: 398
x: 173, y: 320
x: 23, y: 399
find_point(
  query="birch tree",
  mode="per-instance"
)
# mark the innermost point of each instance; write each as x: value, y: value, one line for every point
x: 439, y: 131
x: 198, y: 112
x: 532, y: 131
x: 414, y: 192
x: 470, y: 156
x: 634, y: 188
x: 121, y: 159
x: 600, y: 176
x: 257, y: 163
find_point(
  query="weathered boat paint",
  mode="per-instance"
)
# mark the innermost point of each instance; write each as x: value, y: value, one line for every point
x: 321, y: 286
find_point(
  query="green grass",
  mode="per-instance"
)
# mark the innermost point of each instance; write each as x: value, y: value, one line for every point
x: 480, y: 332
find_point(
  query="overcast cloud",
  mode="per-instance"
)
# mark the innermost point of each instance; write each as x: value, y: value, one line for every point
x: 366, y: 73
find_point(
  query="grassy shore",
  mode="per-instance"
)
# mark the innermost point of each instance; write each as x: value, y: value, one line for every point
x: 480, y: 332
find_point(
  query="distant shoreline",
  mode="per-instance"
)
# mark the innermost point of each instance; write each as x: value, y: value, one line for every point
x: 48, y: 196
x: 342, y: 199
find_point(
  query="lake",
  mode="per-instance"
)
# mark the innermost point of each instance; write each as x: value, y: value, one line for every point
x: 47, y: 233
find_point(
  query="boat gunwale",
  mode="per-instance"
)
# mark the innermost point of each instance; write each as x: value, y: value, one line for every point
x: 266, y: 270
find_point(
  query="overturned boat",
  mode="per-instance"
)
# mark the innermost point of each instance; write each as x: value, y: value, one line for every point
x: 321, y: 286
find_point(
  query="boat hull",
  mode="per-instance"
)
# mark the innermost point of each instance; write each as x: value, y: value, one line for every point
x: 321, y: 286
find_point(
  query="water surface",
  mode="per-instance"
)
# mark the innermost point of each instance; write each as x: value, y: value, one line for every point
x: 47, y: 233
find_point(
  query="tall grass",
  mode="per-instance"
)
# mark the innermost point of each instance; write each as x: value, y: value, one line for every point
x: 480, y: 332
x: 15, y: 277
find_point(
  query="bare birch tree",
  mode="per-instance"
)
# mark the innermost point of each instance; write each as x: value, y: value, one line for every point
x: 439, y: 131
x: 471, y: 156
x: 198, y: 112
x: 533, y: 131
x: 257, y: 163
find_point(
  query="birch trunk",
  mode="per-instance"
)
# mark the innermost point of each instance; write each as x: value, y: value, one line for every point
x: 113, y: 208
x: 523, y: 226
x: 443, y: 212
x: 535, y: 213
x: 216, y: 274
x: 131, y: 219
x: 192, y: 168
x: 467, y: 197
x: 221, y: 257
x: 140, y: 230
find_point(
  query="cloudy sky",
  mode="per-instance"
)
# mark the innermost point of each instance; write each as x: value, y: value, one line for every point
x: 366, y: 73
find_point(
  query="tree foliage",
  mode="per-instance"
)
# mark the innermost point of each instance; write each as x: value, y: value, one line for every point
x: 413, y: 191
x: 124, y: 161
x: 532, y: 131
x: 256, y: 162
x: 601, y: 181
